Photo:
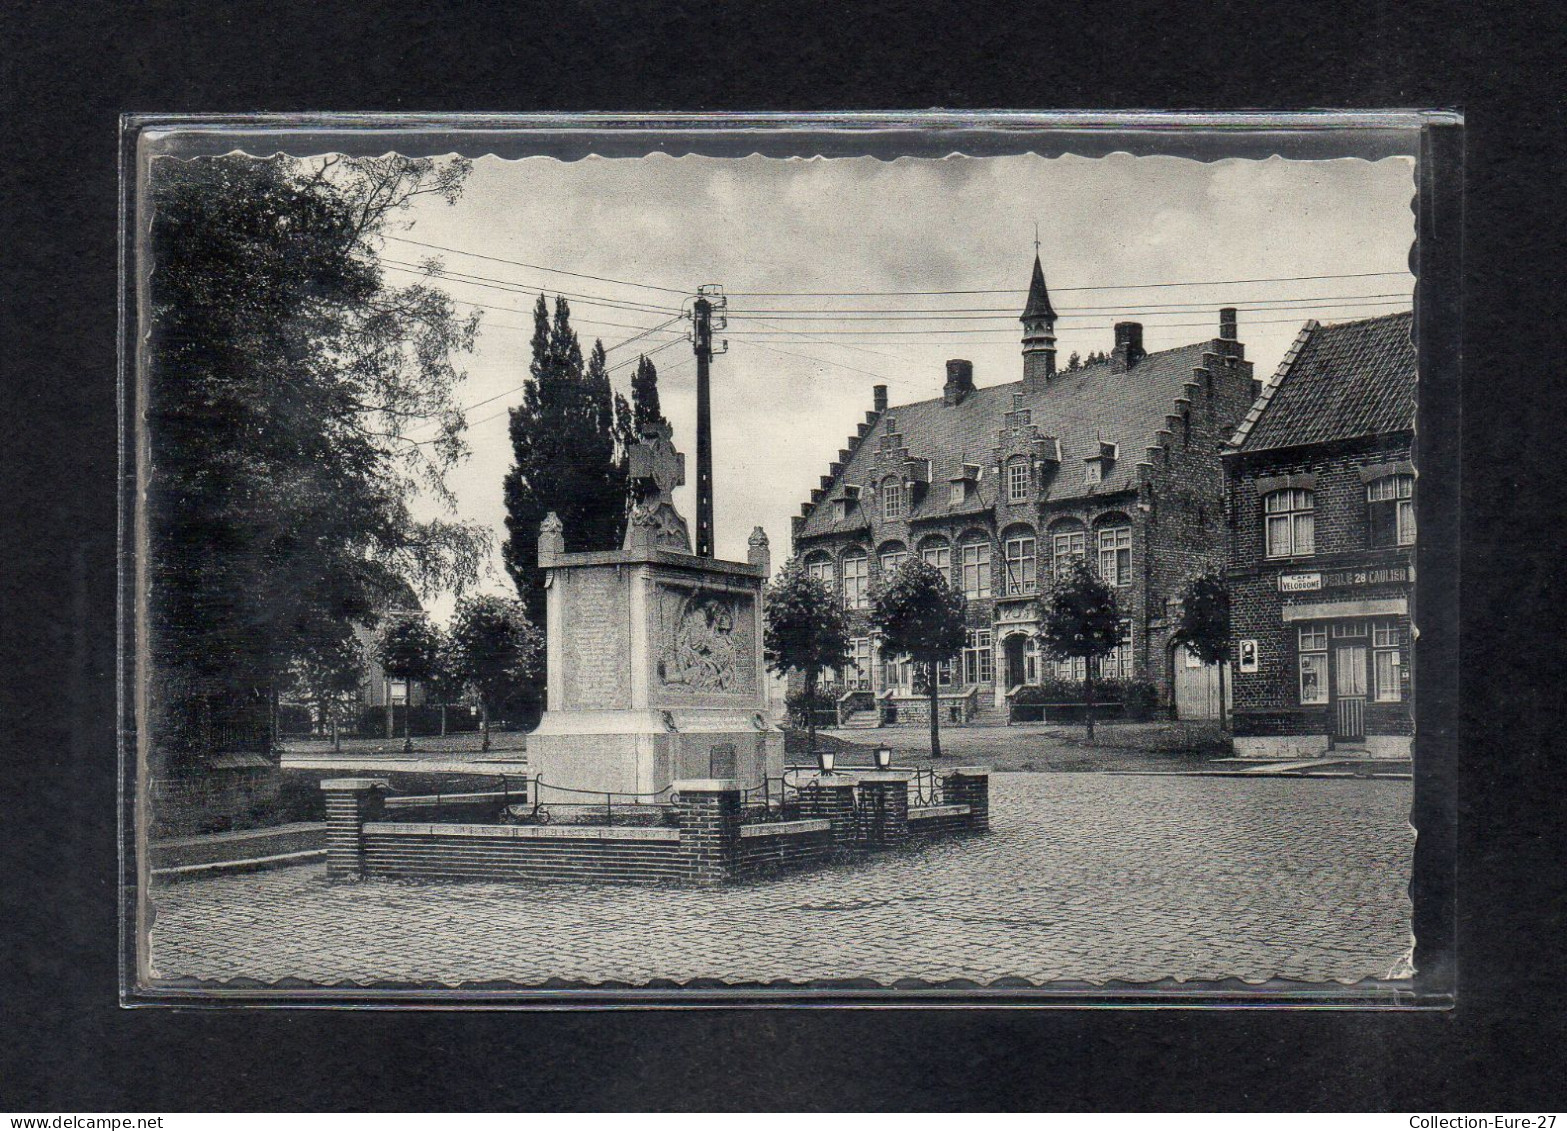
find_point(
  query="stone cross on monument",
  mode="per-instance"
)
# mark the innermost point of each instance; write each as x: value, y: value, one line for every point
x: 656, y: 469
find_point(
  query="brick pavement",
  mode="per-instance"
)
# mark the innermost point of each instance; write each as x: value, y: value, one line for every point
x: 1085, y: 877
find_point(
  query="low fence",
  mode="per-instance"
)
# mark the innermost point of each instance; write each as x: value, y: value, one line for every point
x: 717, y: 831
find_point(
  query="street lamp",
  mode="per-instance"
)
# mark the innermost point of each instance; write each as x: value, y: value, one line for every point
x: 825, y: 759
x: 883, y: 757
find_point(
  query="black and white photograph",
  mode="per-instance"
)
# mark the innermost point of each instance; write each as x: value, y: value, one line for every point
x: 990, y: 572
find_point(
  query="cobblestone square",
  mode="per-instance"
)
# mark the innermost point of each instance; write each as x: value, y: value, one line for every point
x: 1085, y: 877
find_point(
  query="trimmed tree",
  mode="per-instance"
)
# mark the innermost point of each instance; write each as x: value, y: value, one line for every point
x: 495, y: 651
x: 327, y: 673
x: 409, y: 649
x: 1205, y: 626
x: 806, y: 631
x: 922, y: 617
x: 1080, y: 620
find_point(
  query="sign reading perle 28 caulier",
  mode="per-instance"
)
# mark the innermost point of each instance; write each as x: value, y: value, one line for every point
x: 1344, y: 578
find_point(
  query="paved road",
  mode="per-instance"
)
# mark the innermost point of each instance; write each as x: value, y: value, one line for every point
x: 1085, y: 877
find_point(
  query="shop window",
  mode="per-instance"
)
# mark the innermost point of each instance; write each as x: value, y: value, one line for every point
x: 855, y: 580
x: 1020, y: 561
x: 979, y: 657
x: 1390, y: 511
x: 1115, y: 555
x: 1386, y: 661
x: 891, y: 498
x: 976, y: 569
x: 1290, y: 523
x: 1313, y: 642
x: 1017, y: 480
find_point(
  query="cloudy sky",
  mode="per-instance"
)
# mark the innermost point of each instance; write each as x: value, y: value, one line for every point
x: 637, y: 236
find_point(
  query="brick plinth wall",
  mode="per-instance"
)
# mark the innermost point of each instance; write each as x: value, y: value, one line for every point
x: 710, y: 812
x: 550, y: 853
x: 884, y: 808
x: 830, y: 797
x: 970, y: 785
x: 939, y: 820
x: 786, y: 844
x: 350, y: 802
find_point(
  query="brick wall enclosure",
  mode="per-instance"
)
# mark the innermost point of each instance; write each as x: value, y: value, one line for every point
x: 712, y: 845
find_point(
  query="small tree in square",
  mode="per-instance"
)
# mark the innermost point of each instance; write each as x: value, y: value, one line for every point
x: 327, y: 673
x: 806, y: 630
x: 1080, y: 620
x: 409, y: 649
x: 920, y: 616
x: 494, y: 651
x: 1205, y: 626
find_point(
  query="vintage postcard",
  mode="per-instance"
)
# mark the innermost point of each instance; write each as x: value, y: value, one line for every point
x: 657, y: 573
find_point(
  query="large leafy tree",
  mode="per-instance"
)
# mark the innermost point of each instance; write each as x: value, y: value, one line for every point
x: 495, y: 651
x: 1205, y: 625
x: 296, y: 401
x: 410, y: 648
x: 806, y: 630
x: 565, y: 455
x: 922, y: 617
x: 1080, y: 620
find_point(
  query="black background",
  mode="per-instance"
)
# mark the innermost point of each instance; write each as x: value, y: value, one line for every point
x: 70, y: 70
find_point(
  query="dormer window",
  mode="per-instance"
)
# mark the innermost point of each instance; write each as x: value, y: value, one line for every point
x: 1099, y: 463
x: 958, y: 494
x: 892, y: 497
x: 840, y: 510
x: 1017, y: 480
x: 1093, y: 473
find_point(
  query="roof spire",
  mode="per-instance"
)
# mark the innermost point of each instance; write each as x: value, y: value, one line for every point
x: 1038, y: 297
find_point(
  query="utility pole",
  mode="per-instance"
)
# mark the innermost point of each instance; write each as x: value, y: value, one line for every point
x: 710, y: 298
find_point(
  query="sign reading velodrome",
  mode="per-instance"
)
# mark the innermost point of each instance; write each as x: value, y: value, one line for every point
x: 1343, y: 578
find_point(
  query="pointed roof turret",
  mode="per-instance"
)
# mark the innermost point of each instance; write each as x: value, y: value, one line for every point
x: 1038, y: 297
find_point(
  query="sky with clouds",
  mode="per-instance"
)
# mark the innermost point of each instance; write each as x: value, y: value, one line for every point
x: 793, y: 385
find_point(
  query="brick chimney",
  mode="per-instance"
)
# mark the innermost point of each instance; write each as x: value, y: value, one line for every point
x: 879, y: 397
x: 1128, y: 346
x: 1227, y: 324
x: 960, y: 381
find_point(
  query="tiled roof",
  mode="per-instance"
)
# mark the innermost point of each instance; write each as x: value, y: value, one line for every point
x: 1079, y: 408
x: 1337, y: 382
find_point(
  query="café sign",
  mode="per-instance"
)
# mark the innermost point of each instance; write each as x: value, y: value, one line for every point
x: 1344, y: 578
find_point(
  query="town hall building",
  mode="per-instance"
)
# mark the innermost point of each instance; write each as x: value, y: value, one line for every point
x: 1117, y: 461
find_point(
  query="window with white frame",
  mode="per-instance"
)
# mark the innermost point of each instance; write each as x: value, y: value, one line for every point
x: 1313, y: 655
x: 1066, y: 545
x: 979, y: 661
x: 1390, y: 511
x: 397, y: 692
x: 944, y: 674
x: 975, y: 557
x: 856, y: 578
x: 1118, y: 663
x: 1115, y: 555
x: 1031, y: 658
x: 939, y: 556
x: 1073, y: 669
x: 891, y: 497
x: 892, y: 557
x: 898, y: 673
x: 820, y: 569
x: 1289, y: 523
x: 1020, y: 560
x: 1017, y: 480
x: 858, y: 673
x: 1386, y: 661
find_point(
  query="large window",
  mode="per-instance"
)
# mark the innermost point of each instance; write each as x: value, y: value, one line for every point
x: 855, y: 580
x: 1074, y: 669
x: 891, y: 497
x: 857, y: 676
x: 820, y: 569
x: 1118, y: 664
x: 1017, y: 480
x: 1289, y: 523
x: 1066, y: 545
x: 1115, y: 555
x: 1313, y: 640
x: 1021, y: 569
x: 893, y: 555
x: 979, y: 661
x: 1386, y: 661
x: 1390, y: 510
x: 976, y: 568
x: 939, y: 556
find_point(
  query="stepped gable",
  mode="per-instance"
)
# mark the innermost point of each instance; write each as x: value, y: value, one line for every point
x: 1079, y: 408
x: 1338, y: 382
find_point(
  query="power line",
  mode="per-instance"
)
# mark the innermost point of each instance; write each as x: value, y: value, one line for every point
x: 982, y: 312
x: 539, y: 267
x: 518, y: 288
x: 1066, y: 290
x: 752, y: 334
x: 575, y: 321
x: 825, y: 361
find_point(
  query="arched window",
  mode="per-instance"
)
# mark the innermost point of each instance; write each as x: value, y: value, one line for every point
x: 935, y: 553
x: 974, y: 559
x: 1017, y: 479
x: 1019, y: 551
x: 856, y: 579
x: 1390, y: 511
x: 893, y: 555
x: 1289, y: 522
x: 1067, y: 541
x: 891, y: 497
x: 818, y: 567
x: 1114, y: 540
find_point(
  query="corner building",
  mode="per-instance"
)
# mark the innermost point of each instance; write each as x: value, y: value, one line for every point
x: 1322, y: 547
x: 998, y: 486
